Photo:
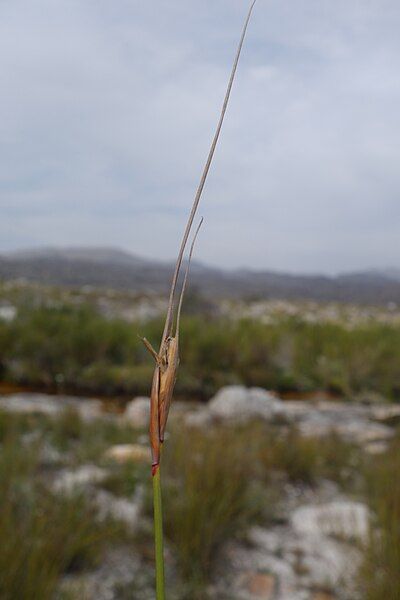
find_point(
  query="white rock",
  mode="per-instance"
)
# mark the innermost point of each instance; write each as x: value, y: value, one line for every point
x: 301, y: 558
x: 388, y: 414
x: 238, y: 403
x: 137, y: 412
x: 123, y: 453
x: 323, y: 562
x: 260, y: 557
x: 345, y: 519
x: 119, y: 570
x: 350, y: 421
x: 45, y: 404
x: 199, y: 419
x: 367, y: 433
x: 69, y: 480
x: 295, y: 410
x: 375, y: 448
x: 7, y: 313
x: 121, y: 509
x: 50, y: 455
x: 89, y: 410
x: 30, y: 403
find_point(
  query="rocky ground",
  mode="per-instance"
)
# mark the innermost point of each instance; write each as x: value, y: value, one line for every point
x: 311, y: 550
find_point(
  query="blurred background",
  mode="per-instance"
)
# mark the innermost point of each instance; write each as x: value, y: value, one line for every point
x: 282, y: 458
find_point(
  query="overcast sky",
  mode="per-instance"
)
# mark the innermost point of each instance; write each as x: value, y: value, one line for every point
x: 107, y: 110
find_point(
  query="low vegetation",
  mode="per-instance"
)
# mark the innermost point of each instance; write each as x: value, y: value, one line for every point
x: 307, y: 459
x: 44, y: 536
x: 380, y: 576
x: 76, y: 349
x: 235, y: 477
x: 230, y: 479
x: 210, y: 494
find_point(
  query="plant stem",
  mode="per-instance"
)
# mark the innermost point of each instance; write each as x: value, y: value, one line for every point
x: 158, y: 534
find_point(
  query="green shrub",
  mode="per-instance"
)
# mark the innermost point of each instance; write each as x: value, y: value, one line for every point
x: 14, y: 424
x: 220, y: 481
x: 305, y: 459
x: 65, y: 428
x: 292, y: 454
x: 43, y: 536
x: 75, y: 348
x: 87, y: 441
x: 124, y: 479
x: 208, y: 496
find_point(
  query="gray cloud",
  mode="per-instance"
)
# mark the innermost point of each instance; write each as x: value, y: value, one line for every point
x: 108, y: 109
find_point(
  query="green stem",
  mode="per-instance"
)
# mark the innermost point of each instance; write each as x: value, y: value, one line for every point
x: 158, y: 534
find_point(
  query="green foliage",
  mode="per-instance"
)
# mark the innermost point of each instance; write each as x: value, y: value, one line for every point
x: 43, y: 535
x: 217, y: 483
x: 208, y: 496
x: 54, y: 345
x: 123, y: 479
x: 86, y: 441
x: 66, y: 428
x: 14, y: 424
x: 74, y: 348
x: 306, y: 459
x: 350, y: 360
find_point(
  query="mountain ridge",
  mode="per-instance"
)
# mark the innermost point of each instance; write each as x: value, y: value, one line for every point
x: 111, y: 267
x: 90, y: 253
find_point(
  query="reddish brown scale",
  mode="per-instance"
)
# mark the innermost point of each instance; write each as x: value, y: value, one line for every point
x: 154, y: 418
x: 167, y: 383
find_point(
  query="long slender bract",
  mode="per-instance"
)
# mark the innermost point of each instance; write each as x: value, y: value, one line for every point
x: 167, y: 358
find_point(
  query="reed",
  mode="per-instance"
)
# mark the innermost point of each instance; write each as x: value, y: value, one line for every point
x: 167, y: 358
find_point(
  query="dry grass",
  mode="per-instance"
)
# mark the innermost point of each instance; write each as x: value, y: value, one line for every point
x: 210, y: 495
x: 380, y: 574
x: 228, y: 481
x: 43, y: 535
x: 306, y: 459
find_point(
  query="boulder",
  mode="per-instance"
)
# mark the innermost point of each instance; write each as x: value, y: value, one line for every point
x: 50, y: 456
x: 375, y: 448
x: 199, y: 419
x: 115, y: 576
x: 314, y: 555
x: 342, y: 519
x: 350, y: 421
x: 137, y: 412
x: 388, y: 414
x: 51, y: 406
x: 123, y: 453
x: 367, y: 433
x: 239, y: 404
x: 68, y: 481
x: 126, y: 510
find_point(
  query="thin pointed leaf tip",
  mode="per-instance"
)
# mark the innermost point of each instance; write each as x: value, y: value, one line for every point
x: 167, y: 358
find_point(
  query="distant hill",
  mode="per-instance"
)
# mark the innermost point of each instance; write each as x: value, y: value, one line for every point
x: 392, y: 273
x: 113, y: 268
x: 93, y: 254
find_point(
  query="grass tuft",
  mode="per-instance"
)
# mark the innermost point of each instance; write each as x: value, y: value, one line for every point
x: 44, y: 536
x: 380, y: 573
x: 211, y: 495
